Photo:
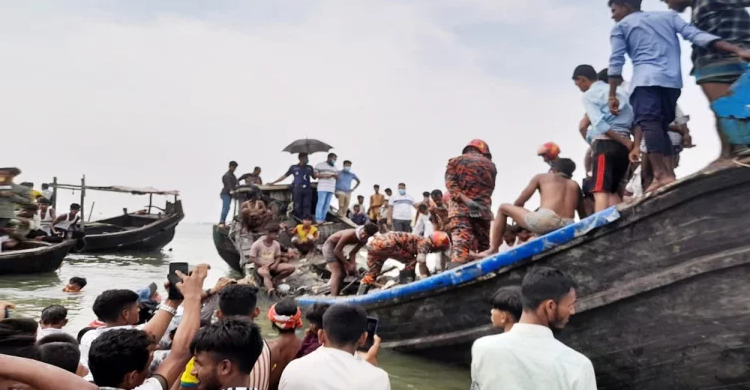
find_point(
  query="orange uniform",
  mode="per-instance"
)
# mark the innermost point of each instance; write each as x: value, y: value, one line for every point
x: 404, y: 247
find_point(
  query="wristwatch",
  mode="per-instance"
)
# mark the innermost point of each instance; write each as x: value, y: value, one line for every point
x: 168, y: 309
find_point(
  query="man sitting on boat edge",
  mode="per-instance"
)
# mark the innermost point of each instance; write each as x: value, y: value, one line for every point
x: 265, y: 258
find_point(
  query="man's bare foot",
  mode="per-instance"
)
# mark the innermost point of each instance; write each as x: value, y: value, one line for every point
x: 719, y: 163
x: 656, y: 184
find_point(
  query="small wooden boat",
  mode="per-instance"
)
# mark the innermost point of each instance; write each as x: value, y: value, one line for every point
x: 662, y: 285
x: 34, y: 257
x: 143, y: 231
x: 278, y: 198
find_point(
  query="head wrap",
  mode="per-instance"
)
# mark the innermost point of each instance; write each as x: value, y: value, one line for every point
x: 285, y: 322
x: 358, y: 232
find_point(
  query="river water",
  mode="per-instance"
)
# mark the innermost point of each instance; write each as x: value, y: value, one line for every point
x: 192, y: 244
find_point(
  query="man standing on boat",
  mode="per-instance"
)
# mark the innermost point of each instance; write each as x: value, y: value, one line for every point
x: 714, y: 71
x: 344, y: 188
x: 327, y: 174
x: 230, y: 183
x: 301, y: 186
x: 252, y: 178
x: 400, y: 210
x: 609, y: 136
x: 470, y: 179
x: 11, y: 194
x: 527, y: 356
x: 376, y: 201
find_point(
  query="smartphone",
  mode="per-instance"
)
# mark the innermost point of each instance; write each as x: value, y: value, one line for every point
x: 7, y: 312
x: 173, y: 279
x: 372, y: 328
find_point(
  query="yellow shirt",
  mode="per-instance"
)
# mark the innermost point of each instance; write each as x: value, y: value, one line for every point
x: 303, y: 233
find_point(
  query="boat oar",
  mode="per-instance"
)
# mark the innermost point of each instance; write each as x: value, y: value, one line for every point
x: 91, y: 211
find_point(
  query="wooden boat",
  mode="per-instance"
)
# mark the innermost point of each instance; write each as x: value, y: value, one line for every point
x: 662, y: 285
x: 34, y: 257
x: 142, y: 231
x: 278, y: 198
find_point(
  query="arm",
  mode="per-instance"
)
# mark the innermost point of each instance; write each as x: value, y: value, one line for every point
x: 243, y: 177
x: 636, y: 151
x: 339, y: 250
x: 390, y: 214
x: 356, y: 185
x: 282, y: 178
x: 616, y: 62
x: 595, y: 114
x: 41, y: 376
x: 58, y: 220
x: 583, y: 126
x: 528, y: 192
x: 191, y: 287
x: 158, y: 324
x: 451, y: 183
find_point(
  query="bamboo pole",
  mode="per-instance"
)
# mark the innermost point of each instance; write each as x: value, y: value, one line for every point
x: 83, y: 196
x: 54, y: 193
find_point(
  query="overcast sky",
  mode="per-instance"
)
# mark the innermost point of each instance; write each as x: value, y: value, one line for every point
x: 165, y: 93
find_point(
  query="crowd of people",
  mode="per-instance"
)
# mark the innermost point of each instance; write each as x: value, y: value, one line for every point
x: 207, y: 340
x: 27, y: 213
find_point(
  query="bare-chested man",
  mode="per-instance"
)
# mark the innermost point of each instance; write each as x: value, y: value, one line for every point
x: 560, y: 198
x: 254, y: 214
x: 333, y: 251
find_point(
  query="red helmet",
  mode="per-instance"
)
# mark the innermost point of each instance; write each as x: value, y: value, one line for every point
x: 440, y: 240
x: 549, y: 151
x: 480, y: 145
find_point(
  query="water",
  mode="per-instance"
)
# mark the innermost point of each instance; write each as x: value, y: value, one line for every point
x: 192, y: 244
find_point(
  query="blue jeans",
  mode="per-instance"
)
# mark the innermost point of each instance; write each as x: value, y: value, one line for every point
x: 654, y: 109
x: 324, y: 203
x: 226, y: 201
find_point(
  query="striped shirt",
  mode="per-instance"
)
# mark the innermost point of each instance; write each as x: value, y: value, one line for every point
x: 260, y: 376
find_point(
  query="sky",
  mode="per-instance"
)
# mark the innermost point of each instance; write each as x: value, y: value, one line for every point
x: 165, y: 94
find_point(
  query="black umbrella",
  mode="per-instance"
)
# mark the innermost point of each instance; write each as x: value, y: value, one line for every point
x: 308, y: 146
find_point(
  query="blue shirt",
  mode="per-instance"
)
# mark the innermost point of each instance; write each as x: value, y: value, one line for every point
x: 596, y: 104
x: 650, y: 40
x: 302, y: 175
x: 344, y: 182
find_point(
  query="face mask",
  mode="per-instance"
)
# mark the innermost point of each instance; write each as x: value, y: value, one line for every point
x: 402, y: 191
x: 347, y: 169
x: 307, y: 160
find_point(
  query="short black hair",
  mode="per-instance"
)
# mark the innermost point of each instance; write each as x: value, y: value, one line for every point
x: 635, y: 4
x: 376, y: 186
x: 371, y: 229
x: 233, y: 163
x: 235, y: 340
x: 45, y: 186
x: 344, y: 324
x: 117, y: 352
x: 437, y: 193
x: 388, y: 190
x: 75, y: 206
x: 58, y: 337
x: 42, y: 200
x: 314, y: 315
x: 347, y: 162
x: 82, y: 332
x: 16, y: 340
x: 54, y: 314
x: 272, y: 229
x: 426, y: 194
x: 356, y: 206
x: 61, y: 354
x: 109, y: 304
x: 422, y: 207
x: 603, y: 75
x: 77, y: 280
x: 360, y: 196
x: 302, y: 155
x: 238, y: 300
x: 30, y: 207
x: 256, y: 169
x: 331, y: 155
x: 402, y: 184
x: 20, y: 326
x: 307, y: 217
x: 543, y: 283
x: 565, y: 166
x: 286, y: 307
x: 508, y: 299
x: 586, y: 71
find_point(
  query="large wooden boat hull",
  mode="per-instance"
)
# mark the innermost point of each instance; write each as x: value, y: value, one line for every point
x: 664, y: 298
x: 134, y: 232
x: 36, y: 258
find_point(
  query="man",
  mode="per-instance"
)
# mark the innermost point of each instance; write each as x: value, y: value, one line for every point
x: 506, y: 308
x: 11, y: 194
x: 357, y: 216
x: 119, y: 358
x: 265, y: 258
x: 75, y: 284
x: 314, y: 317
x: 327, y: 174
x: 650, y: 40
x: 65, y: 355
x: 344, y: 187
x: 46, y: 215
x: 238, y: 301
x: 549, y: 152
x: 68, y: 221
x: 225, y: 353
x: 514, y: 359
x: 47, y: 192
x: 252, y: 178
x: 439, y: 211
x: 609, y: 136
x: 714, y: 71
x: 301, y: 186
x: 229, y: 180
x: 407, y: 248
x: 254, y: 213
x: 361, y: 204
x: 54, y: 318
x: 333, y: 251
x: 400, y: 210
x: 305, y: 235
x: 377, y: 200
x: 383, y: 221
x: 286, y: 318
x: 336, y: 365
x: 470, y: 179
x: 560, y: 198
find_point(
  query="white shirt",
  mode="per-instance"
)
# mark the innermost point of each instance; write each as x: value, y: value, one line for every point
x: 148, y: 384
x: 424, y: 226
x: 92, y: 335
x: 326, y: 185
x: 402, y: 206
x: 46, y: 332
x: 528, y: 357
x: 333, y: 369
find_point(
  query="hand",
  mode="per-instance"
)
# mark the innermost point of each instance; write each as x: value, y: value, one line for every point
x: 614, y: 105
x: 744, y: 54
x: 221, y: 284
x: 283, y: 225
x: 390, y: 223
x: 372, y: 354
x: 191, y: 286
x: 634, y: 156
x: 472, y: 204
x: 6, y: 194
x: 687, y: 141
x: 273, y: 266
x: 3, y: 306
x: 350, y: 267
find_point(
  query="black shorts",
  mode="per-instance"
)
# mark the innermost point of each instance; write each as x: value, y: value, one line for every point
x: 610, y: 165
